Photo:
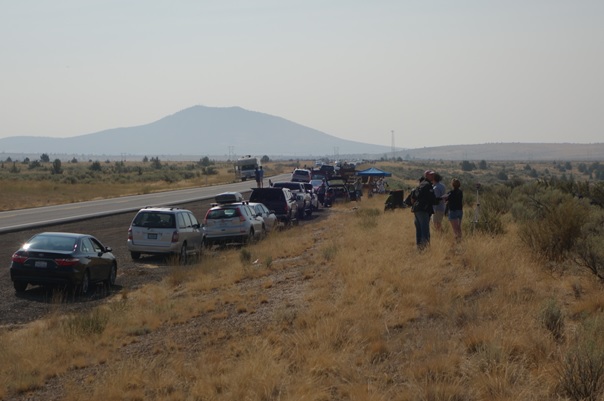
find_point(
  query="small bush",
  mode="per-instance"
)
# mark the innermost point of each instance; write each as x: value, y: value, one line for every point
x: 581, y: 370
x: 245, y: 256
x: 553, y: 320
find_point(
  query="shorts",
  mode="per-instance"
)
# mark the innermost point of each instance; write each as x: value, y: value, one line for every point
x: 455, y: 214
x: 437, y: 217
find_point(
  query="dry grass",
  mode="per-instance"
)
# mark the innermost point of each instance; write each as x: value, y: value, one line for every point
x: 345, y: 310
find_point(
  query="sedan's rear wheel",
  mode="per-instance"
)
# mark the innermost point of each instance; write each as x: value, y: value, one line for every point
x: 84, y: 286
x: 135, y: 255
x: 20, y: 286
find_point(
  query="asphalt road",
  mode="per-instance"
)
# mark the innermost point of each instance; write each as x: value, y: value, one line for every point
x: 17, y: 220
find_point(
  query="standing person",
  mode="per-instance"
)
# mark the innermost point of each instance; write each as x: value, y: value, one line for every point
x: 358, y: 188
x: 257, y: 176
x: 261, y: 172
x: 439, y: 208
x: 455, y: 206
x: 423, y: 200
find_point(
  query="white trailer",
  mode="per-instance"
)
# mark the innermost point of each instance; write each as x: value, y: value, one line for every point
x: 246, y: 167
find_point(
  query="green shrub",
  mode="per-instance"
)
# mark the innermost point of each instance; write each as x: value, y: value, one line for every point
x: 550, y: 220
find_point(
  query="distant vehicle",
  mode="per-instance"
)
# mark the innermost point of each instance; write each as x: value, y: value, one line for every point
x: 165, y: 231
x: 246, y: 167
x: 232, y: 222
x: 327, y: 170
x: 314, y: 199
x: 279, y: 200
x: 55, y: 258
x: 301, y: 175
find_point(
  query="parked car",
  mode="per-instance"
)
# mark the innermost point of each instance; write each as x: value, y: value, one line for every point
x: 302, y: 196
x: 232, y: 222
x: 56, y: 258
x: 165, y: 231
x: 301, y: 175
x: 337, y: 190
x: 327, y: 170
x: 280, y: 200
x: 268, y: 216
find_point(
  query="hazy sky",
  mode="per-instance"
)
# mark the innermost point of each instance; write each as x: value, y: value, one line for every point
x: 436, y: 72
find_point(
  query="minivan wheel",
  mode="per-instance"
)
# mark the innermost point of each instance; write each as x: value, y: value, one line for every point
x: 135, y: 255
x: 183, y: 255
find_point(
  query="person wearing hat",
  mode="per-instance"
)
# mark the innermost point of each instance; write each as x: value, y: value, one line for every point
x: 423, y: 202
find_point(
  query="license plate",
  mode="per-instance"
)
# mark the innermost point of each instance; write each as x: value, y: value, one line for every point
x: 40, y: 263
x: 151, y: 236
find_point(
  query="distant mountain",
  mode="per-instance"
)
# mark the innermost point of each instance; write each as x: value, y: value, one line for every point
x: 199, y: 130
x: 220, y: 132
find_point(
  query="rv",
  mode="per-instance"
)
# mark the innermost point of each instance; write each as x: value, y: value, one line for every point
x: 246, y: 167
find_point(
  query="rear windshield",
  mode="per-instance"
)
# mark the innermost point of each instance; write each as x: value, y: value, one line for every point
x: 52, y: 242
x: 154, y: 220
x: 223, y: 213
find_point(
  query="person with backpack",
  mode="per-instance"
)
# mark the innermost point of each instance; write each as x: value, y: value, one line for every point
x: 423, y: 201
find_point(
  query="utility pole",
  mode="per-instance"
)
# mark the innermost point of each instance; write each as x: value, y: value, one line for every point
x: 392, y: 148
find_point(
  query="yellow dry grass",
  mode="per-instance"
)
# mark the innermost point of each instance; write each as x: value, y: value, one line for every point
x: 347, y: 309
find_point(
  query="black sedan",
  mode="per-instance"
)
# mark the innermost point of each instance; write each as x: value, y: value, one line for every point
x: 53, y: 258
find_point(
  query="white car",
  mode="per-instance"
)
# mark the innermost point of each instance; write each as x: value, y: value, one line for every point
x: 232, y: 222
x: 268, y: 216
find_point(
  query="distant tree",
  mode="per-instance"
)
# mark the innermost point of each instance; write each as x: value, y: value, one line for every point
x: 26, y: 161
x: 14, y: 168
x: 44, y: 158
x: 145, y: 159
x: 502, y: 175
x: 56, y: 167
x: 483, y: 165
x: 74, y: 160
x: 155, y: 163
x: 527, y: 167
x: 34, y: 164
x: 467, y: 166
x: 8, y: 159
x: 265, y: 159
x: 205, y: 161
x: 96, y: 166
x: 568, y: 166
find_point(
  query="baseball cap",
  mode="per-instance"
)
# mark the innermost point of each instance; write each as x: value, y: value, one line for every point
x: 428, y: 172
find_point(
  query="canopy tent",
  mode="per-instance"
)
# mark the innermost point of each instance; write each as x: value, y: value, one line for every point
x: 374, y: 172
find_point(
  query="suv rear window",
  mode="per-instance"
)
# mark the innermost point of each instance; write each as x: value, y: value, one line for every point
x: 154, y: 220
x: 223, y: 213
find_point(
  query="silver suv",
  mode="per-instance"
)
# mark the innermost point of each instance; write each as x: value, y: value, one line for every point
x: 165, y: 231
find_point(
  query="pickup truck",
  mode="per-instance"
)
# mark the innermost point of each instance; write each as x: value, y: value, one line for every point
x: 303, y: 197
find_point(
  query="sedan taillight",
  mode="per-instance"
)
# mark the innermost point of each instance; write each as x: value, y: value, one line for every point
x: 130, y: 234
x: 67, y: 262
x: 19, y: 258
